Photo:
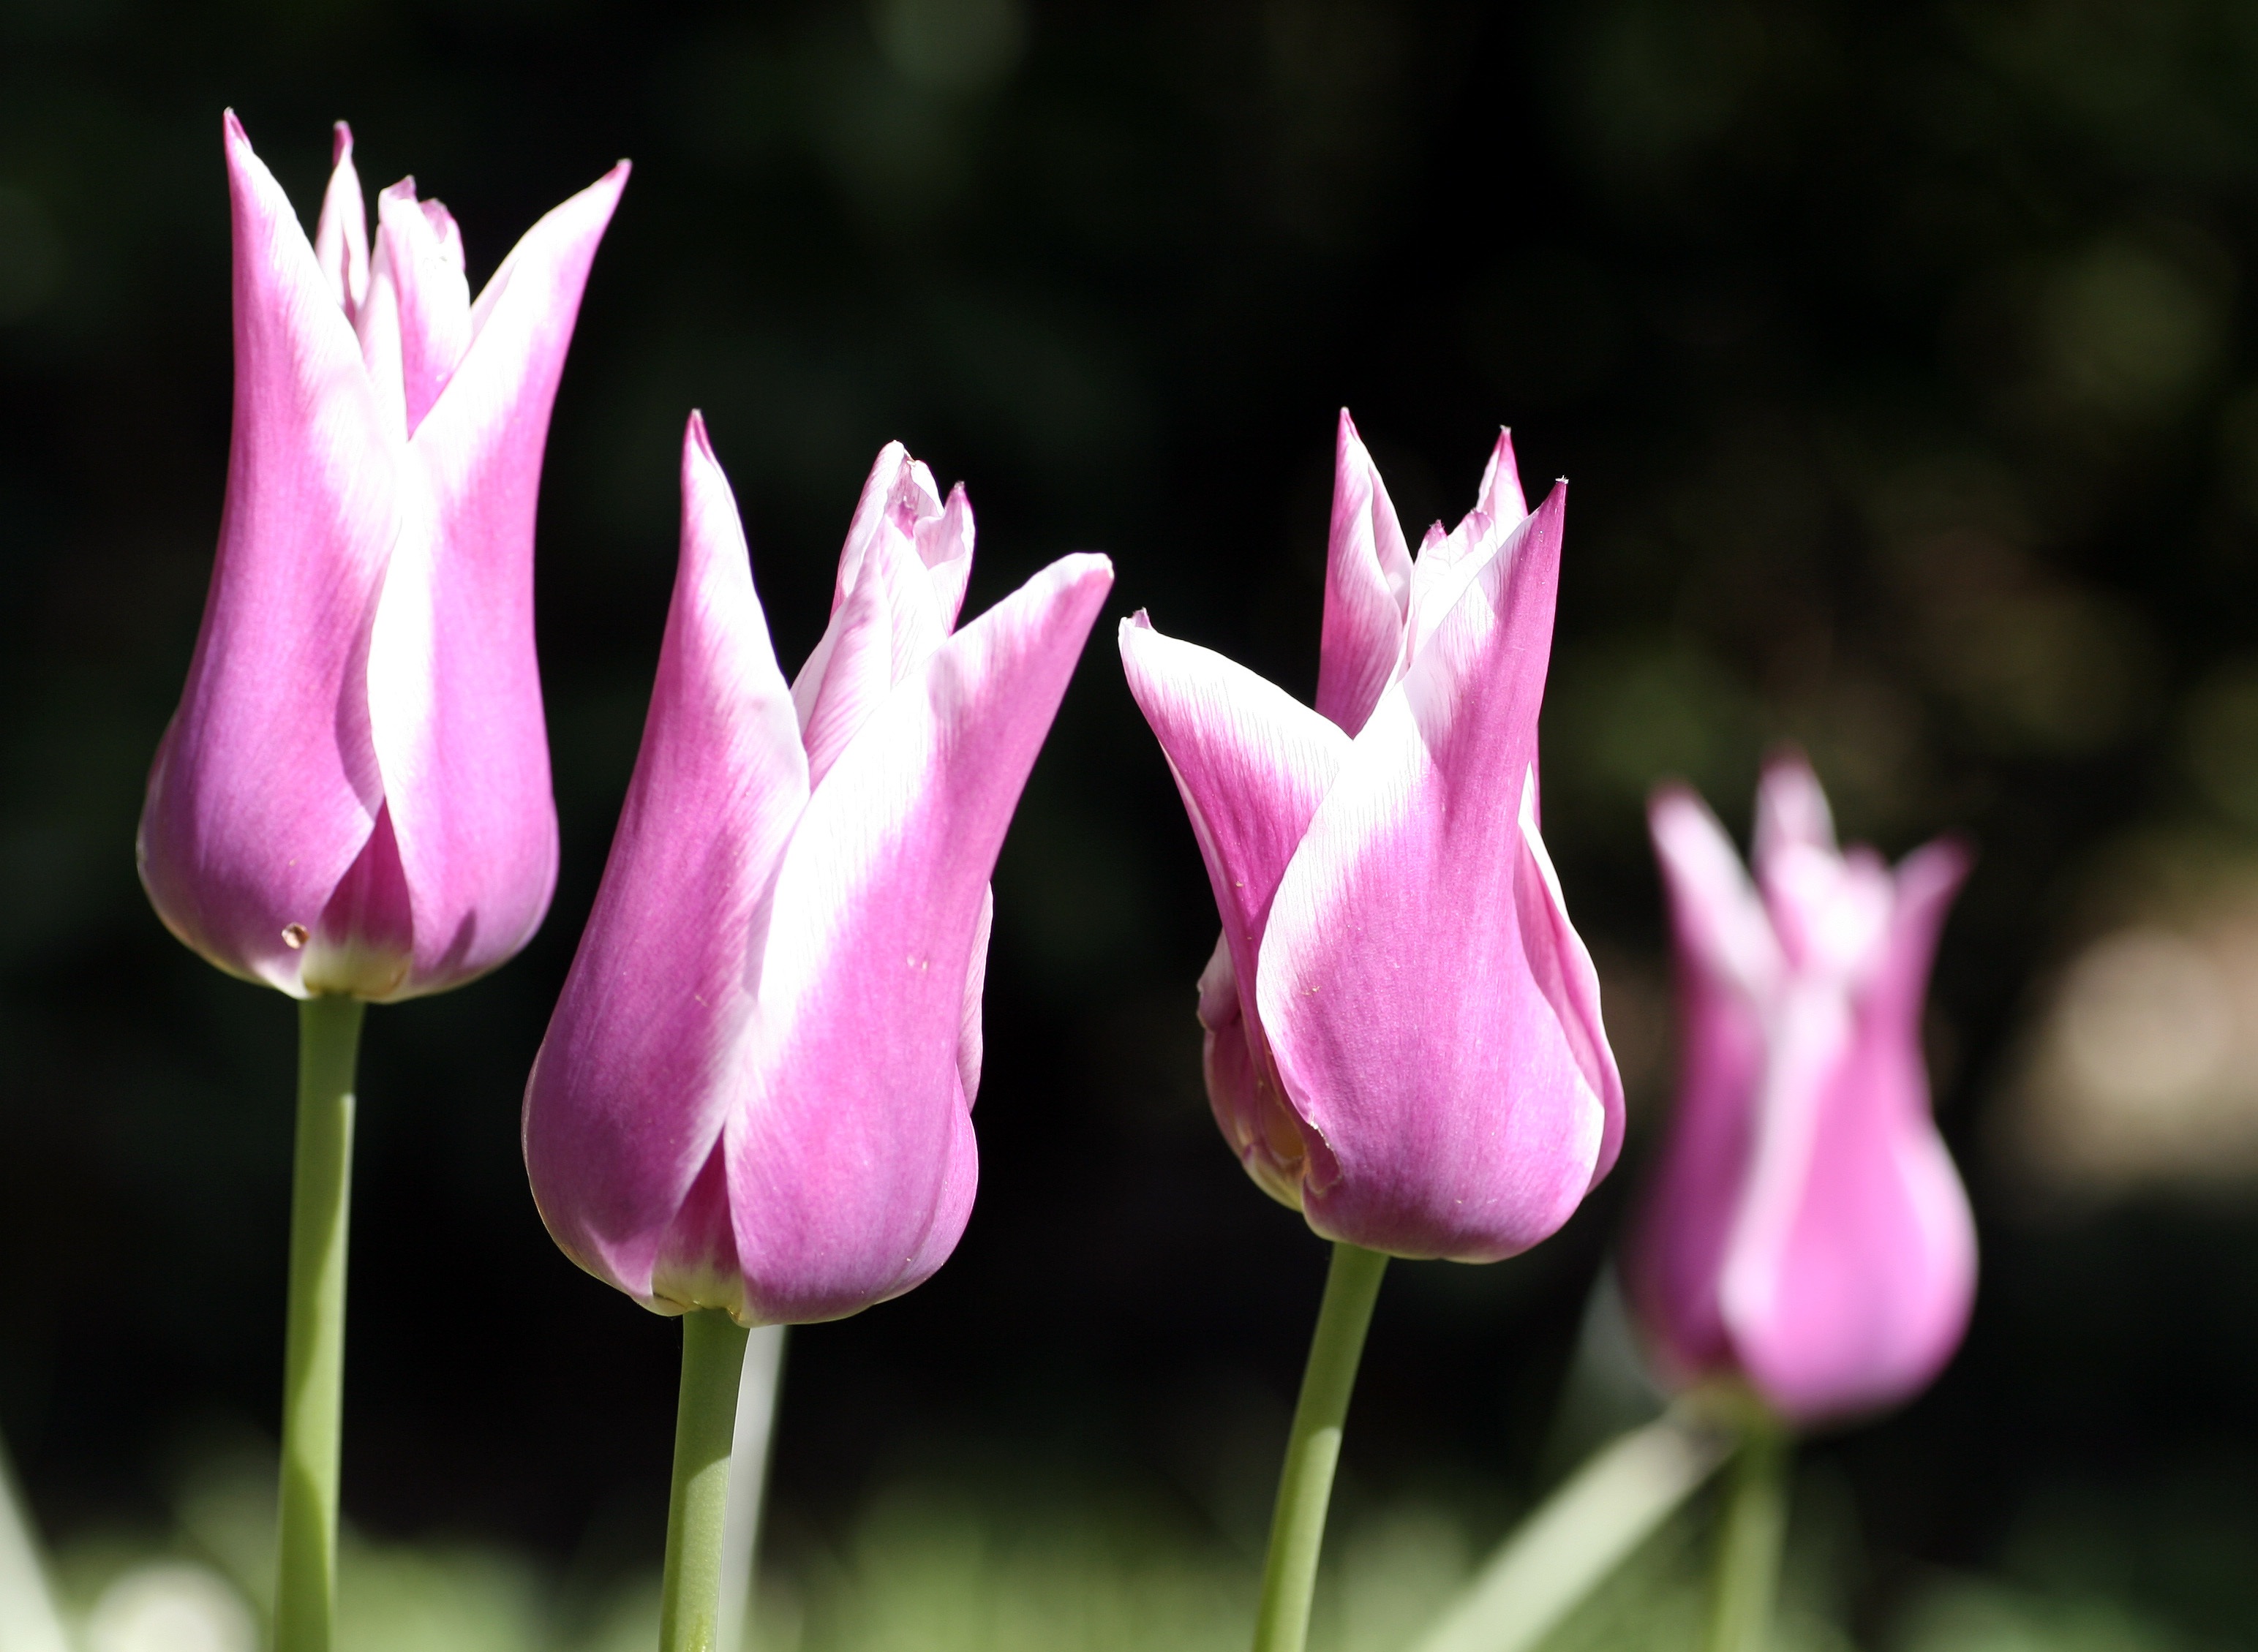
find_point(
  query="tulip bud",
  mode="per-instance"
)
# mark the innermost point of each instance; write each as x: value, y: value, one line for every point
x: 353, y: 797
x: 1806, y: 1232
x: 1404, y: 1032
x: 756, y: 1092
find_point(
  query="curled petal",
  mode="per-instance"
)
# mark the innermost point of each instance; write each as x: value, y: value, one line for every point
x: 1462, y: 1109
x: 266, y: 786
x: 851, y: 1162
x: 1367, y: 588
x: 624, y: 1110
x: 454, y: 685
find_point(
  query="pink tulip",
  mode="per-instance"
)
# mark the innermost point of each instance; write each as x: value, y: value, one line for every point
x: 1403, y: 1036
x: 1808, y: 1232
x: 353, y: 797
x: 756, y: 1090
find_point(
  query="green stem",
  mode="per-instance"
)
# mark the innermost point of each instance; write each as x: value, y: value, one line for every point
x: 1305, y: 1486
x: 1749, y: 1539
x: 697, y: 1508
x: 314, y: 1341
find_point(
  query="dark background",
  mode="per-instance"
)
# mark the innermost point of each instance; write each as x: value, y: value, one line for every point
x: 1894, y: 350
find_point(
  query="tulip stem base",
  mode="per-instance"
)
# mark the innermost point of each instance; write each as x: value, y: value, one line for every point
x: 1752, y: 1527
x: 314, y: 1339
x: 697, y: 1506
x: 1305, y: 1486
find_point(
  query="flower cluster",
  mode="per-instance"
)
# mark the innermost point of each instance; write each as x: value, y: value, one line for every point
x: 754, y: 1104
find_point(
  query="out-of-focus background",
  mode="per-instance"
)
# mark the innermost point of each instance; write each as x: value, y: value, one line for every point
x: 1899, y: 356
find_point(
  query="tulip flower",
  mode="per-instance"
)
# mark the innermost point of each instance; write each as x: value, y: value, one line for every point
x: 1403, y: 1038
x: 756, y: 1091
x: 352, y: 803
x: 754, y: 1104
x: 1403, y: 1034
x: 1807, y: 1233
x: 353, y: 797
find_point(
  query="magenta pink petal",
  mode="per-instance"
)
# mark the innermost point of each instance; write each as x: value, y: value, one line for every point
x: 1728, y: 963
x: 1871, y: 1284
x: 851, y: 1161
x: 625, y: 1107
x: 1367, y: 588
x: 267, y: 785
x: 1464, y: 1114
x: 453, y: 681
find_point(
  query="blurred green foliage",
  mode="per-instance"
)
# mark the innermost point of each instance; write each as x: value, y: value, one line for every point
x: 1900, y: 357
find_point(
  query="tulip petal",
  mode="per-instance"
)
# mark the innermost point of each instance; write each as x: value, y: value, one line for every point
x: 888, y: 613
x: 422, y: 251
x: 625, y: 1107
x: 1460, y: 1110
x: 852, y: 1163
x: 1251, y: 762
x: 266, y: 787
x: 1367, y: 588
x: 1852, y: 1271
x: 1728, y: 965
x: 341, y: 239
x: 1449, y: 562
x: 454, y: 686
x: 1243, y: 1091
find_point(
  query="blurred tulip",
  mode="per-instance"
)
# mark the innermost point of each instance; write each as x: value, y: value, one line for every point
x: 1808, y: 1232
x: 756, y: 1093
x: 1403, y: 1033
x: 353, y: 797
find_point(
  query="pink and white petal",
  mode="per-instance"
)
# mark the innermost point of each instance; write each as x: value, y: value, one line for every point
x: 424, y: 257
x: 341, y: 237
x: 945, y: 542
x: 1499, y: 497
x: 1866, y: 1290
x: 453, y: 680
x: 1251, y: 762
x: 1873, y: 1278
x: 899, y: 487
x: 1449, y: 562
x: 625, y: 1107
x: 1727, y: 968
x: 1367, y: 588
x: 265, y: 786
x: 1395, y: 984
x: 853, y: 1152
x: 1717, y: 919
x: 376, y: 324
x: 890, y: 624
x: 1562, y: 965
x: 1791, y: 810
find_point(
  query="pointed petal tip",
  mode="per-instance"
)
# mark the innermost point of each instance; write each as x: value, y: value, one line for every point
x: 340, y: 143
x: 694, y: 433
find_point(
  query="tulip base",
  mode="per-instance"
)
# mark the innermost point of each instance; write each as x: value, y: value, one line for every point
x: 314, y: 1340
x: 698, y: 1506
x: 1305, y: 1486
x: 1751, y: 1529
